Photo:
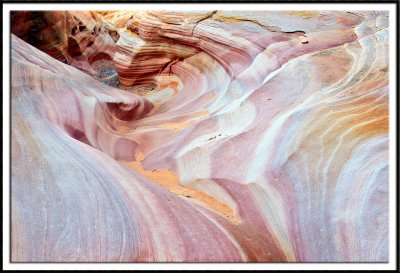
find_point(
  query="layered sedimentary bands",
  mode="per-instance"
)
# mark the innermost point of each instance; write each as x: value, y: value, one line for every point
x: 222, y: 136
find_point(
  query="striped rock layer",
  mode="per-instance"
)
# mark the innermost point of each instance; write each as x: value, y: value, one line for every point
x: 265, y: 138
x: 78, y: 38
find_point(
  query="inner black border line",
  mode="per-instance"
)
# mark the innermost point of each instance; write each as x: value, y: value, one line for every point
x: 271, y: 2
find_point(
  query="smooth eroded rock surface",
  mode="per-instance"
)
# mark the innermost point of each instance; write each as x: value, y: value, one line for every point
x: 204, y: 136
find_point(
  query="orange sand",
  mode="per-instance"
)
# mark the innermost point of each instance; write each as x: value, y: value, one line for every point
x: 170, y: 181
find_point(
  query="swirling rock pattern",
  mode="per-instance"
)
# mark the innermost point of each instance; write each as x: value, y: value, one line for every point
x: 78, y: 38
x: 265, y: 137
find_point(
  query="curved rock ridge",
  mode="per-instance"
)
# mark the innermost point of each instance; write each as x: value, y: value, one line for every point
x: 264, y: 139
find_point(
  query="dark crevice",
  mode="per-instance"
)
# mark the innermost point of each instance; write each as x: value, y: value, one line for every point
x: 76, y: 134
x: 205, y: 18
x: 270, y: 28
x: 294, y: 32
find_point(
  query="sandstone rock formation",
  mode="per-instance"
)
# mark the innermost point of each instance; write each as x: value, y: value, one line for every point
x: 78, y: 38
x: 264, y: 137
